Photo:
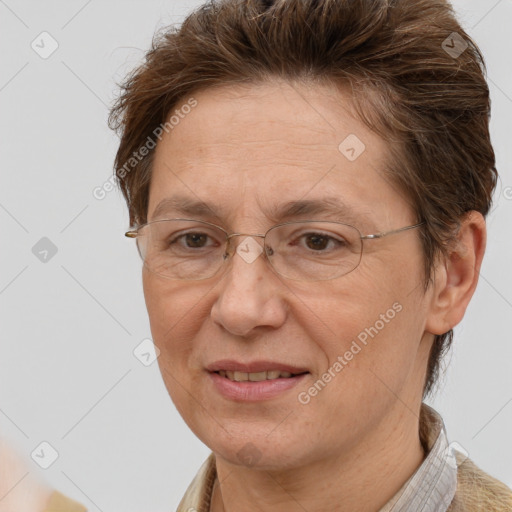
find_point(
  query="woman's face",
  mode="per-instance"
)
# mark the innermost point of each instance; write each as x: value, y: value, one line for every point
x: 359, y: 340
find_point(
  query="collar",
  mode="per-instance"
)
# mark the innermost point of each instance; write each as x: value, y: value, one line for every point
x: 433, y: 485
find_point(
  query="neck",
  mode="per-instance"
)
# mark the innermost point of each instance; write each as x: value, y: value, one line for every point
x: 362, y: 480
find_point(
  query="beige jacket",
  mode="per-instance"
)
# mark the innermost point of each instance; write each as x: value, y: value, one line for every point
x: 479, y: 492
x: 60, y: 503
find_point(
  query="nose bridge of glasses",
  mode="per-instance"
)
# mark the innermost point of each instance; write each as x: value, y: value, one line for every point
x: 245, y: 234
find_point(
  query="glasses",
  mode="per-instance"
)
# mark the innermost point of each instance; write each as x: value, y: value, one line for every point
x: 310, y: 250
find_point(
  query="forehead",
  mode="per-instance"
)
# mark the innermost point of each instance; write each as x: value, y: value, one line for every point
x: 250, y: 148
x: 270, y: 116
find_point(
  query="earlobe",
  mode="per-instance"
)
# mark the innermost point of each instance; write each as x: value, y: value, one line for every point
x: 456, y: 275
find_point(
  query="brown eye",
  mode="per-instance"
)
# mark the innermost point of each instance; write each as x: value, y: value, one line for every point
x: 320, y: 242
x: 195, y: 239
x: 317, y: 242
x: 192, y: 240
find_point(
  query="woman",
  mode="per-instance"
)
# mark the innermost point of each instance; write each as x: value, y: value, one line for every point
x: 308, y: 183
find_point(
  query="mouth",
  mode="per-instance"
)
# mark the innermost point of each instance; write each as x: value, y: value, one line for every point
x: 251, y: 382
x: 239, y: 376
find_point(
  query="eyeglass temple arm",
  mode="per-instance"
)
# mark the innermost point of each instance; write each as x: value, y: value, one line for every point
x: 131, y: 234
x: 380, y: 235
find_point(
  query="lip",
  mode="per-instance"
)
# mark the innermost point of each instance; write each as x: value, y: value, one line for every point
x: 249, y: 391
x: 253, y: 367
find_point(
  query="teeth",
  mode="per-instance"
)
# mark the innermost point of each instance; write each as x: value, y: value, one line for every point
x: 255, y: 376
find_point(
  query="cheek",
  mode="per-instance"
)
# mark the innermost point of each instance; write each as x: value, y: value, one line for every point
x: 175, y: 314
x: 339, y: 311
x: 366, y: 363
x: 175, y: 317
x: 368, y: 329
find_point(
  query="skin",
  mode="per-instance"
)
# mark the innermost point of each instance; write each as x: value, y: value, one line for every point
x: 247, y: 149
x: 20, y: 490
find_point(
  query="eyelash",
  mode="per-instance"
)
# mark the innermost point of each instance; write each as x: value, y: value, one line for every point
x: 330, y: 238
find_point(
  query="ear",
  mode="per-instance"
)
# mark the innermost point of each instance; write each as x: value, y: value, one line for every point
x: 456, y: 275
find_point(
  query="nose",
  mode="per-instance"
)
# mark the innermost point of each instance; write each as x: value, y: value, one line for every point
x: 250, y: 294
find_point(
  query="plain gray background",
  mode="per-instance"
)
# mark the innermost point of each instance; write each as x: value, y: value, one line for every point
x: 70, y: 324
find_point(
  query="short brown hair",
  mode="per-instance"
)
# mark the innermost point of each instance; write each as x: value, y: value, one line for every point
x: 399, y: 57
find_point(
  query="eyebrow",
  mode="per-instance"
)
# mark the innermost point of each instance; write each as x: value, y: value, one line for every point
x: 184, y: 205
x: 334, y: 207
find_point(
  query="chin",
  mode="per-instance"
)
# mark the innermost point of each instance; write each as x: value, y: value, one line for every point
x: 260, y: 447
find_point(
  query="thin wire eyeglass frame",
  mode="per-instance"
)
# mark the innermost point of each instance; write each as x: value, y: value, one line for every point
x: 135, y: 233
